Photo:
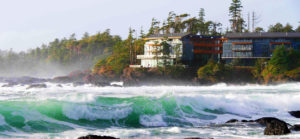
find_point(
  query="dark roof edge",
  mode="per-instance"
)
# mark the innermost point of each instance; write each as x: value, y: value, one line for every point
x: 168, y: 35
x: 264, y: 35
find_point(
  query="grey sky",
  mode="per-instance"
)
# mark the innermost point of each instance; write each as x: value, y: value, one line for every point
x: 30, y: 23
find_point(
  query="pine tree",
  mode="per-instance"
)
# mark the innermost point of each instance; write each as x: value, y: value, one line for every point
x: 154, y: 28
x: 142, y: 34
x: 236, y: 20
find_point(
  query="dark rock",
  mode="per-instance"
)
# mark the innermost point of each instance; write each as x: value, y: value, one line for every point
x: 78, y: 84
x: 295, y: 128
x: 247, y: 121
x: 232, y: 121
x: 12, y: 84
x: 276, y: 127
x: 37, y: 86
x: 197, y: 138
x: 59, y: 85
x: 24, y: 80
x: 295, y: 113
x: 263, y: 121
x: 101, y: 84
x: 115, y: 85
x: 244, y: 121
x: 62, y: 79
x: 96, y: 137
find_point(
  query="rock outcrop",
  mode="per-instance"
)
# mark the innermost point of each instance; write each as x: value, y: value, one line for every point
x: 236, y: 121
x: 232, y: 121
x: 295, y: 128
x: 274, y: 126
x: 197, y: 138
x: 97, y: 137
x: 295, y: 113
x: 37, y: 86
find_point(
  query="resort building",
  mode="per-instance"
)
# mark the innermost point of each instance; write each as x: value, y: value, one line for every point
x: 195, y: 50
x: 248, y: 47
x: 187, y: 48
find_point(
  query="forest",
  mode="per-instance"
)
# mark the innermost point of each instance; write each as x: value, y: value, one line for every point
x: 110, y: 53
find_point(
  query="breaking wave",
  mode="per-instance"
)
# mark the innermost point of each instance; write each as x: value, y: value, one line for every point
x: 67, y: 108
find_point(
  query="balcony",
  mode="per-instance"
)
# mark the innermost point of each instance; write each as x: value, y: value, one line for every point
x: 152, y: 56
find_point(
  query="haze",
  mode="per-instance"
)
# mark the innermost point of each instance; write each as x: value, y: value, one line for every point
x: 28, y: 24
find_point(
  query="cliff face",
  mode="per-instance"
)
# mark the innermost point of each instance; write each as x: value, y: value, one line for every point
x: 157, y: 76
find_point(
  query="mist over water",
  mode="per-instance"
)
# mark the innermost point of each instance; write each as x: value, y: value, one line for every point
x: 43, y: 69
x: 143, y: 112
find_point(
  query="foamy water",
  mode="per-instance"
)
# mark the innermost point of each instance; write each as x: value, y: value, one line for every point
x: 144, y: 112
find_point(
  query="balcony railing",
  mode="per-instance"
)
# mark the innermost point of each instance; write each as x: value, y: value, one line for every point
x: 152, y: 56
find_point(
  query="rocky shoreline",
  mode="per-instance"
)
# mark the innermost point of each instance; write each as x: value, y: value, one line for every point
x: 273, y: 127
x: 130, y: 77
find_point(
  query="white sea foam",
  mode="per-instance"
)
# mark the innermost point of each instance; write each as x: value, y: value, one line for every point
x: 198, y: 106
x: 2, y: 121
x: 152, y: 120
x: 94, y: 112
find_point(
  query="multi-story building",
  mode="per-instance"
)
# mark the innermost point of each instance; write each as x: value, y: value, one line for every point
x: 189, y: 49
x: 251, y: 46
x: 195, y: 50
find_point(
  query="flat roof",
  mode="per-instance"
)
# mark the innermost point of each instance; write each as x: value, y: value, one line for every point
x: 263, y: 35
x: 168, y: 35
x: 179, y: 36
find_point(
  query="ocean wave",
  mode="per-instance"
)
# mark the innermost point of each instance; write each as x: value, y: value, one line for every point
x: 60, y: 109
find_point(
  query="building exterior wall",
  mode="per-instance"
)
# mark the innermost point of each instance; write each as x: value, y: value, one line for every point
x: 255, y: 48
x: 205, y: 48
x: 193, y: 50
x: 250, y: 49
x: 187, y: 53
x: 152, y: 56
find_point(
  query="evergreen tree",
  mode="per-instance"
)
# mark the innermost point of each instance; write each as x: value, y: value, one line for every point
x: 288, y: 28
x: 278, y: 27
x: 142, y: 34
x: 298, y: 29
x: 237, y: 22
x: 154, y: 28
x: 259, y: 29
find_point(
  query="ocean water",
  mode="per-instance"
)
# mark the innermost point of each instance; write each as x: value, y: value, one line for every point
x: 162, y: 112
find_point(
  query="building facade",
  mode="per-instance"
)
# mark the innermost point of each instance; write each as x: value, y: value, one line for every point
x: 251, y: 46
x: 186, y: 48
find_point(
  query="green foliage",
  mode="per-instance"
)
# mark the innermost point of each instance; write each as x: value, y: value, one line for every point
x: 278, y: 27
x: 178, y: 53
x: 166, y: 48
x: 288, y: 28
x: 173, y: 71
x: 279, y: 61
x: 259, y: 29
x: 183, y: 23
x: 154, y: 28
x: 258, y: 68
x: 298, y: 29
x: 213, y: 71
x: 115, y: 63
x: 293, y: 74
x: 281, y: 66
x: 67, y: 54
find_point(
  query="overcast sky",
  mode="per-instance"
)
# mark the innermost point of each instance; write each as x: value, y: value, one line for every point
x: 29, y: 23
